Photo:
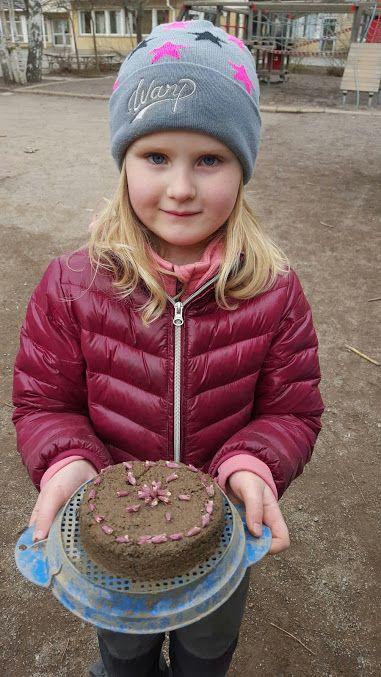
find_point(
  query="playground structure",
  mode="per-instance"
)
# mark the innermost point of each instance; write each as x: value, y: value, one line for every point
x: 278, y: 33
x: 362, y: 71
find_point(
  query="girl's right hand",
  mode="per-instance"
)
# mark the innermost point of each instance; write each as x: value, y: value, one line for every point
x: 56, y: 492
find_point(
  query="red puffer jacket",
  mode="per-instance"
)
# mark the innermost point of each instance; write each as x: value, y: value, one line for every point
x: 201, y: 384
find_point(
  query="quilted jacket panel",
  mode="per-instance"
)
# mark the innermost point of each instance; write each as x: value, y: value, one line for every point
x: 90, y: 377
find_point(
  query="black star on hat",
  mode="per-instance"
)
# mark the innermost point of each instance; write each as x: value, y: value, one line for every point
x: 207, y: 35
x: 141, y: 44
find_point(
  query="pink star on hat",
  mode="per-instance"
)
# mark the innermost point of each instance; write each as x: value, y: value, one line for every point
x: 237, y: 41
x: 176, y: 24
x: 241, y: 75
x: 167, y: 49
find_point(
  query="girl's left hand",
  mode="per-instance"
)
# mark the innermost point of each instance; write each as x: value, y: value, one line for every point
x: 261, y: 506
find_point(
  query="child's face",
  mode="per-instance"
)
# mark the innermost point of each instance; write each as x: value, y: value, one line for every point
x: 182, y: 171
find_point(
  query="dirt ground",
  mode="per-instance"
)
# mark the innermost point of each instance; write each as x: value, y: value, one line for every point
x: 311, y: 610
x: 302, y: 89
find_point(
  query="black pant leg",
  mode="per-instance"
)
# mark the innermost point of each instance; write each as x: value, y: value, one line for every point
x: 205, y: 648
x: 144, y: 665
x: 185, y: 664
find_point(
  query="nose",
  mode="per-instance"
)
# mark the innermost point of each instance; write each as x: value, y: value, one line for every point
x: 181, y: 185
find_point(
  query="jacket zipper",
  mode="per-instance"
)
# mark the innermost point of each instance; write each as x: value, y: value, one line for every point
x: 178, y: 321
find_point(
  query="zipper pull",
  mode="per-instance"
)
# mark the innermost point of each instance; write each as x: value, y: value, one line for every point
x: 178, y: 319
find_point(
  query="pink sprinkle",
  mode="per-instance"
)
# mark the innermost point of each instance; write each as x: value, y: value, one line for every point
x: 192, y: 468
x: 105, y: 469
x: 130, y: 478
x: 168, y: 516
x: 91, y: 507
x: 99, y: 518
x: 194, y: 531
x: 107, y: 529
x: 210, y: 490
x: 149, y: 463
x: 160, y: 538
x: 172, y: 464
x: 176, y: 537
x: 133, y: 508
x: 122, y: 493
x: 144, y: 493
x: 92, y: 494
x: 184, y: 497
x: 97, y: 481
x: 172, y: 477
x: 209, y: 507
x: 205, y: 520
x: 122, y: 539
x: 144, y: 539
x: 127, y: 465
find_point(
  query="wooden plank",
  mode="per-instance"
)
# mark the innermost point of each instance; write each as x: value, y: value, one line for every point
x: 363, y: 68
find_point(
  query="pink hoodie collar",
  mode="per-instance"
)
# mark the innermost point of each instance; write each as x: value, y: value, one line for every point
x: 192, y: 275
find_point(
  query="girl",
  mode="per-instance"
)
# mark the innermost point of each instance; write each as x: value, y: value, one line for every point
x: 180, y: 331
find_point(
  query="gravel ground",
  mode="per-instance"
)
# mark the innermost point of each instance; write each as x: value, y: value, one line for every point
x: 302, y: 89
x: 316, y: 189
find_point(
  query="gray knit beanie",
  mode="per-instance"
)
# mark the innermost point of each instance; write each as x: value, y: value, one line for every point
x: 188, y: 75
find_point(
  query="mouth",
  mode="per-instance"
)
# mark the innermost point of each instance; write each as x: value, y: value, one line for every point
x: 181, y: 214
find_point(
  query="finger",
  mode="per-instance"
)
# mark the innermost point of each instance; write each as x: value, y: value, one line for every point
x: 254, y: 514
x: 280, y: 535
x: 48, y: 508
x: 35, y: 510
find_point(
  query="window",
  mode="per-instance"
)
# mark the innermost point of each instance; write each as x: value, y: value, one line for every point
x: 311, y: 26
x: 61, y: 33
x: 86, y: 23
x: 114, y: 22
x: 147, y: 21
x: 100, y: 22
x: 162, y: 16
x: 328, y: 39
x: 130, y: 23
x: 18, y: 35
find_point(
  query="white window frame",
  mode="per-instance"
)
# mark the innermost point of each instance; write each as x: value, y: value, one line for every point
x: 21, y: 20
x: 119, y: 24
x: 120, y: 21
x: 99, y: 11
x: 125, y: 15
x: 64, y: 34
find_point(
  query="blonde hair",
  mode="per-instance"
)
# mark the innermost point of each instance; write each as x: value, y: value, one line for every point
x: 120, y: 243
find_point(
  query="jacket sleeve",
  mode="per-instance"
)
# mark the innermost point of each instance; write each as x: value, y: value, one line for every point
x: 49, y: 385
x: 287, y: 402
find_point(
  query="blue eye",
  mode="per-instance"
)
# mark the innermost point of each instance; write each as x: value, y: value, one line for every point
x: 210, y: 157
x: 155, y: 155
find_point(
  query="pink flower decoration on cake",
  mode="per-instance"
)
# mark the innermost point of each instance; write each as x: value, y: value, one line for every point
x: 153, y: 494
x: 176, y: 24
x: 167, y: 49
x: 241, y: 75
x: 115, y: 85
x: 237, y: 41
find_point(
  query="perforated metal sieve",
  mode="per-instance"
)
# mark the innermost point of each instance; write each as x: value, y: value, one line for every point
x: 79, y: 558
x: 61, y: 564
